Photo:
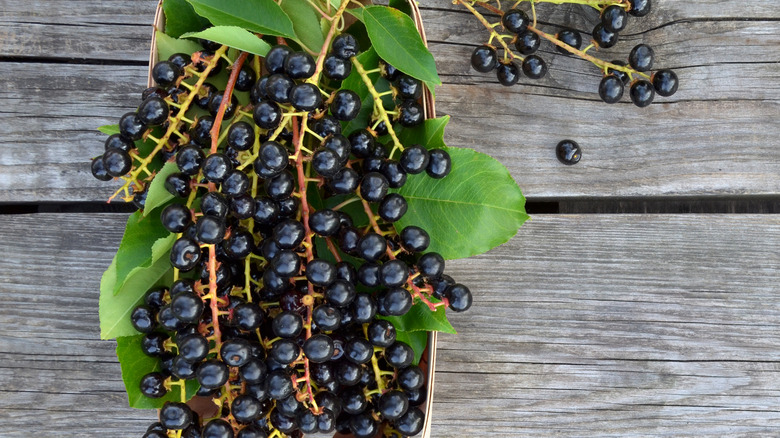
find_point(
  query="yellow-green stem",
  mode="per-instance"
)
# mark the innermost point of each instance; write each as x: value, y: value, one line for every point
x: 378, y: 105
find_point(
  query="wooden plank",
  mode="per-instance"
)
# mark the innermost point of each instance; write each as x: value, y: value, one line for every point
x: 583, y: 325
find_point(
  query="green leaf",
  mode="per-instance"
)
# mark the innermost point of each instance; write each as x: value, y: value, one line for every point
x: 401, y: 5
x: 306, y: 23
x: 115, y: 309
x: 417, y: 340
x: 421, y: 318
x: 109, y: 129
x: 260, y: 16
x: 477, y: 207
x: 429, y: 134
x: 369, y: 60
x: 135, y: 365
x: 157, y: 195
x: 135, y: 251
x: 233, y: 36
x: 167, y: 46
x: 180, y: 18
x: 396, y: 40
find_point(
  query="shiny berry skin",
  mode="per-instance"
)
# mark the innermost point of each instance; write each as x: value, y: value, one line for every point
x: 175, y: 416
x: 165, y: 73
x: 247, y: 316
x: 394, y: 273
x: 568, y: 152
x: 459, y: 296
x: 235, y: 352
x: 359, y: 351
x: 212, y: 373
x: 187, y: 307
x: 393, y: 404
x: 320, y: 272
x: 527, y: 42
x: 611, y: 89
x: 411, y: 378
x: 210, y: 229
x: 280, y: 186
x: 246, y: 79
x: 642, y: 93
x: 200, y: 134
x: 570, y: 37
x: 185, y: 254
x: 665, y: 82
x: 253, y: 372
x: 326, y: 162
x: 411, y: 114
x: 98, y: 168
x: 395, y: 174
x: 305, y: 97
x: 216, y: 167
x: 266, y: 211
x: 153, y: 111
x: 614, y: 18
x: 373, y: 187
x: 440, y: 164
x: 206, y: 92
x: 508, y: 74
x: 154, y: 297
x: 236, y: 183
x: 318, y: 348
x: 338, y: 144
x: 394, y: 302
x: 143, y: 319
x: 131, y: 126
x: 246, y: 408
x: 362, y: 143
x: 392, y: 207
x: 267, y: 114
x: 288, y: 234
x: 275, y: 58
x: 369, y: 273
x: 116, y: 162
x: 278, y: 88
x: 216, y: 101
x: 534, y: 67
x: 336, y: 68
x: 604, y: 38
x: 326, y: 317
x: 178, y: 184
x: 324, y: 222
x: 299, y: 65
x: 415, y: 239
x: 116, y: 141
x: 388, y: 71
x: 345, y: 46
x: 278, y: 385
x: 414, y: 159
x: 286, y: 263
x: 620, y: 74
x: 287, y: 325
x: 242, y: 206
x: 273, y: 156
x: 364, y: 308
x: 399, y: 355
x: 214, y: 204
x: 153, y: 344
x: 515, y: 20
x: 348, y: 240
x: 326, y: 126
x: 217, y: 429
x: 345, y: 105
x: 241, y: 136
x: 344, y: 181
x: 484, y: 59
x: 189, y: 159
x: 641, y: 57
x: 639, y: 8
x: 431, y: 265
x: 411, y: 423
x: 175, y: 218
x: 381, y: 333
x: 193, y: 348
x: 340, y: 293
x: 407, y: 87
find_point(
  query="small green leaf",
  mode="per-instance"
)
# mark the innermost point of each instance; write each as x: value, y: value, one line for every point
x: 167, y: 46
x: 306, y: 23
x: 180, y: 18
x: 115, y: 309
x: 109, y: 129
x: 417, y: 340
x: 429, y: 134
x: 421, y: 318
x: 369, y: 60
x: 396, y: 40
x: 157, y: 195
x: 260, y: 16
x: 135, y: 365
x: 233, y: 36
x: 477, y: 207
x: 401, y: 5
x: 136, y: 247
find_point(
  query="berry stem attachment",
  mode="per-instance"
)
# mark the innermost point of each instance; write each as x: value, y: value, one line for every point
x: 378, y: 105
x: 596, y: 4
x: 334, y: 20
x: 225, y: 100
x: 489, y: 27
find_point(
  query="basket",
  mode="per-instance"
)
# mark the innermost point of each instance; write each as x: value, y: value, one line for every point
x: 428, y: 361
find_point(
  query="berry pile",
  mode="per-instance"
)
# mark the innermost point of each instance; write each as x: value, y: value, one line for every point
x: 286, y: 336
x: 524, y: 35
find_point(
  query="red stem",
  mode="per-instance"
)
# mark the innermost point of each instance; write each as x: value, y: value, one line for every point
x: 226, y: 100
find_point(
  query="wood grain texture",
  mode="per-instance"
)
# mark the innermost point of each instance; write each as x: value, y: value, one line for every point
x: 583, y: 325
x: 716, y: 137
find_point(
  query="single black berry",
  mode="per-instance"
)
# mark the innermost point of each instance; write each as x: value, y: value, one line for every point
x: 611, y: 89
x: 116, y: 162
x: 165, y: 73
x: 216, y: 167
x: 305, y: 97
x: 440, y: 164
x: 131, y: 126
x: 212, y: 373
x: 392, y: 207
x: 527, y: 42
x: 642, y: 93
x: 278, y: 88
x: 143, y: 319
x: 187, y: 307
x: 216, y: 101
x: 639, y: 8
x: 318, y: 348
x: 336, y: 68
x: 345, y: 105
x: 459, y: 297
x: 345, y: 46
x: 185, y: 254
x: 200, y: 134
x: 507, y: 73
x: 175, y: 415
x: 275, y: 58
x: 534, y: 67
x: 153, y: 111
x: 641, y: 57
x: 189, y: 159
x: 484, y: 59
x: 604, y: 38
x: 393, y: 404
x: 267, y: 114
x: 569, y: 37
x: 210, y: 229
x: 246, y: 79
x: 411, y: 114
x: 408, y: 88
x: 568, y: 152
x: 665, y: 82
x: 614, y: 18
x: 515, y: 20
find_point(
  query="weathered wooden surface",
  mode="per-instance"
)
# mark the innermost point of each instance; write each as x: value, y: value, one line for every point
x: 718, y: 136
x: 584, y: 325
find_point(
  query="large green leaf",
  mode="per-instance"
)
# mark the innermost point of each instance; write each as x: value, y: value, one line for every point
x: 369, y: 60
x: 477, y: 207
x: 233, y: 36
x: 422, y: 318
x: 167, y: 46
x: 180, y: 18
x: 261, y: 16
x: 141, y: 232
x: 306, y: 23
x: 157, y: 194
x: 429, y: 134
x: 396, y: 40
x: 135, y: 365
x: 417, y: 340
